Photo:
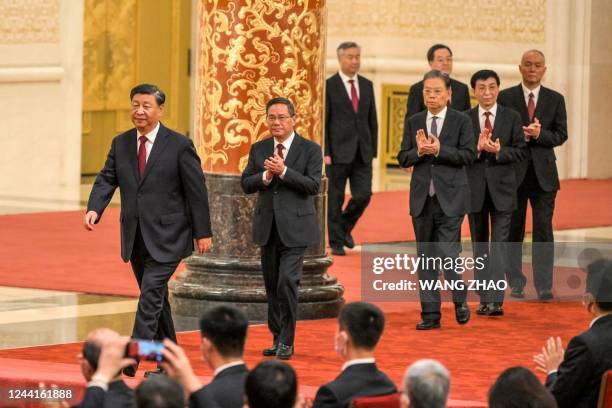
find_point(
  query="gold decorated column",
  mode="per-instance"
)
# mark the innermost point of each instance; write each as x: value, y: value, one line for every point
x: 248, y: 52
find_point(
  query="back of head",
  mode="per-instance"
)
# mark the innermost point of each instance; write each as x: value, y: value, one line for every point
x: 364, y: 323
x: 272, y: 384
x: 427, y: 383
x: 93, y: 346
x: 518, y: 387
x: 599, y: 283
x: 226, y: 328
x: 160, y: 391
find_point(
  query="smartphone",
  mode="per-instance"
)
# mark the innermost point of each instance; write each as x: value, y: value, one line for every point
x: 145, y: 350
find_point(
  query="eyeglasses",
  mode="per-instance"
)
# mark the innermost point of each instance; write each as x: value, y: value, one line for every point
x: 272, y: 119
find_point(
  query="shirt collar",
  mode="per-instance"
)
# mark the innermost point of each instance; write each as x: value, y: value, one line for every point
x: 345, y: 78
x: 226, y: 366
x: 151, y: 135
x: 535, y: 91
x: 287, y: 143
x: 439, y: 115
x: 369, y: 360
x: 493, y: 110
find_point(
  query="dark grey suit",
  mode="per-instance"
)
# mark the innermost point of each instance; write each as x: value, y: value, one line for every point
x: 226, y: 390
x: 538, y: 183
x: 284, y: 224
x: 437, y: 219
x: 351, y: 139
x: 119, y: 395
x: 460, y: 99
x: 161, y: 214
x: 492, y: 183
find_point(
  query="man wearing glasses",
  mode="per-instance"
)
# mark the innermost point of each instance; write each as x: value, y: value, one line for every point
x: 285, y: 170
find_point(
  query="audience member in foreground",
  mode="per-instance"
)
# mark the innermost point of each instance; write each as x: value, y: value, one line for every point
x: 272, y: 384
x: 517, y: 387
x: 360, y: 327
x: 426, y: 385
x: 160, y: 391
x: 223, y: 330
x: 574, y: 376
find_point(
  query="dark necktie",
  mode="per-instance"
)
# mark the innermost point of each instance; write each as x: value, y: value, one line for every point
x: 434, y: 131
x: 142, y: 155
x: 531, y: 106
x: 279, y: 150
x: 354, y: 97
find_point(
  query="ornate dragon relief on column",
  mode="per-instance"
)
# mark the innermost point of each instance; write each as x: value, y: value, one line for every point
x: 251, y: 51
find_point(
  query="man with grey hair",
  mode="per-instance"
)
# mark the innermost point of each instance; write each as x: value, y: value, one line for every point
x: 351, y: 143
x: 426, y: 385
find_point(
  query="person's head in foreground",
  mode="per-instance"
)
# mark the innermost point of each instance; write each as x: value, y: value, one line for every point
x: 597, y: 299
x: 224, y: 330
x: 160, y: 391
x: 360, y: 326
x: 92, y: 347
x: 518, y: 387
x: 271, y: 384
x: 426, y: 385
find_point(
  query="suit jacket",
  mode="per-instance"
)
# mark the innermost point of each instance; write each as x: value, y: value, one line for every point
x: 119, y: 395
x: 496, y: 172
x: 288, y: 202
x: 550, y: 111
x: 169, y: 203
x: 359, y: 380
x: 226, y: 390
x: 588, y: 355
x: 347, y: 132
x: 460, y: 98
x: 457, y: 149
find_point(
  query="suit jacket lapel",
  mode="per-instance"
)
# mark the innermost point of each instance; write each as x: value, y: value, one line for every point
x: 520, y: 102
x: 341, y: 90
x: 362, y: 95
x: 447, y: 124
x: 542, y: 98
x: 161, y: 140
x: 131, y: 148
x: 294, y: 151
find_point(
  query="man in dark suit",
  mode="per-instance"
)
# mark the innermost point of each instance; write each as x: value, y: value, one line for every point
x: 438, y: 143
x: 544, y: 119
x: 223, y: 330
x: 574, y: 375
x: 272, y: 384
x: 351, y: 142
x: 164, y: 206
x: 285, y: 170
x: 360, y: 327
x: 440, y: 58
x: 492, y: 185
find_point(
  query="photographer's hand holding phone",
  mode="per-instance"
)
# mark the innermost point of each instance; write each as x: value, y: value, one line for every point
x: 112, y: 360
x: 177, y: 366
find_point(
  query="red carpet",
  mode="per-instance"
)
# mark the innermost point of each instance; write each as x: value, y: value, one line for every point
x: 53, y: 251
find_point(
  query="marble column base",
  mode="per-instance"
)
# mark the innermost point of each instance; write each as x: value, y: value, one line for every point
x: 231, y: 272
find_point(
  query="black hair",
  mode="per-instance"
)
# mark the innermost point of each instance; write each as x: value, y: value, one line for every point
x: 91, y: 353
x: 271, y: 384
x: 599, y: 283
x: 432, y: 50
x: 282, y: 101
x: 483, y: 75
x: 364, y: 323
x: 148, y: 89
x: 226, y: 327
x: 159, y: 391
x: 434, y: 73
x: 346, y: 45
x: 518, y: 387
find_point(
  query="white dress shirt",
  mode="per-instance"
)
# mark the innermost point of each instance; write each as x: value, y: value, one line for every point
x: 286, y: 146
x: 527, y: 91
x: 439, y: 121
x: 356, y: 361
x: 482, y: 117
x: 347, y: 84
x: 150, y: 140
x: 226, y: 366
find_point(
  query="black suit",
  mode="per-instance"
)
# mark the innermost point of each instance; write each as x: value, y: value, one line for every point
x: 161, y: 214
x: 351, y: 139
x: 119, y: 395
x: 284, y: 223
x: 226, y: 390
x: 588, y: 356
x: 437, y: 219
x: 492, y: 183
x: 460, y: 98
x: 538, y: 183
x: 359, y: 380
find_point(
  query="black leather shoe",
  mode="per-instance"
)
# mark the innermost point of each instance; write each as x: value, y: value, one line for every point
x: 428, y: 325
x: 545, y: 295
x: 483, y: 309
x: 284, y: 352
x: 338, y: 250
x: 157, y: 371
x: 462, y: 313
x: 130, y: 371
x: 495, y: 309
x: 348, y: 240
x: 268, y: 352
x: 517, y: 292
